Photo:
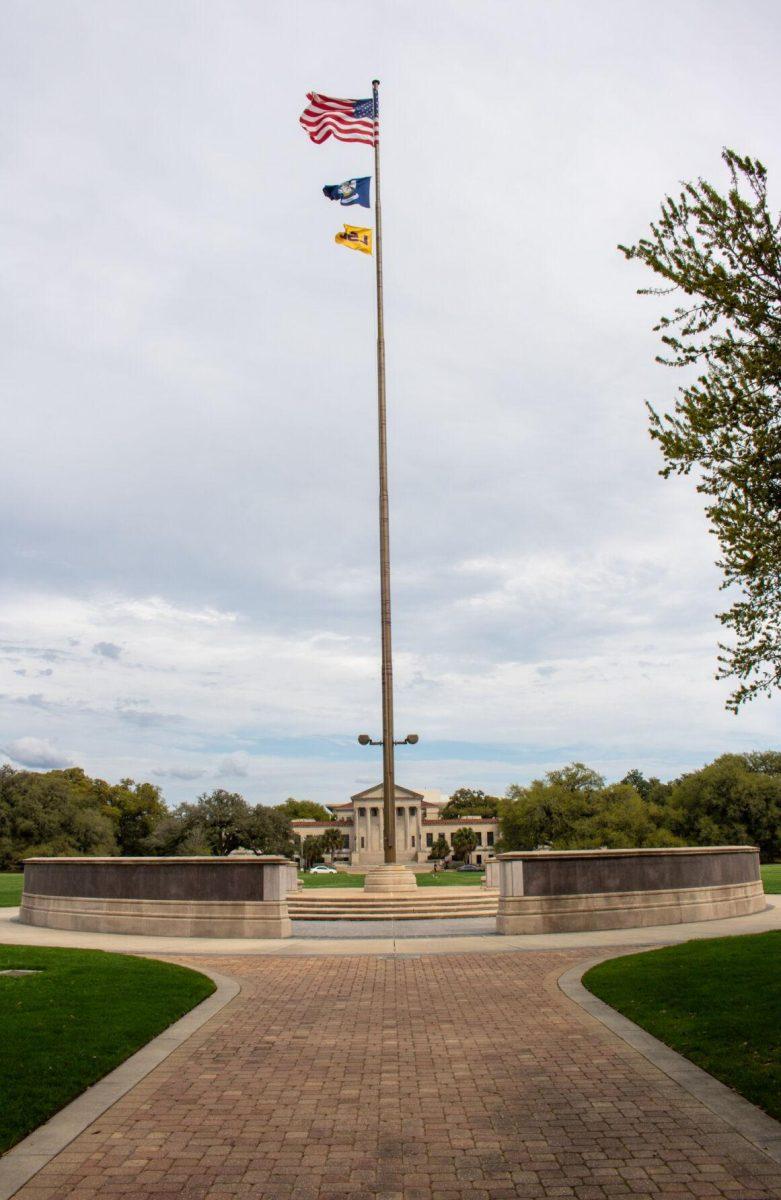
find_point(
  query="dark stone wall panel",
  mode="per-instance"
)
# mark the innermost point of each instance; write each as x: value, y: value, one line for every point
x: 554, y: 876
x: 165, y: 879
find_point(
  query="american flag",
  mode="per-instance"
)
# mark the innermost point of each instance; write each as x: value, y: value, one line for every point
x: 346, y: 120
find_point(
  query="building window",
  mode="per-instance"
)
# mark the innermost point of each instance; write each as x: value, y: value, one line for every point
x: 363, y: 843
x: 412, y: 812
x: 479, y: 837
x: 412, y: 841
x: 375, y: 812
x: 345, y: 841
x: 489, y: 838
x: 399, y: 812
x: 429, y: 840
x: 361, y: 812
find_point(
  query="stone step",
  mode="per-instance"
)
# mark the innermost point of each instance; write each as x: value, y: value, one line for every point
x: 408, y: 915
x: 362, y: 906
x: 395, y: 904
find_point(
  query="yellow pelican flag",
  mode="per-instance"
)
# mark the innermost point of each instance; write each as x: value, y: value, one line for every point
x: 355, y: 237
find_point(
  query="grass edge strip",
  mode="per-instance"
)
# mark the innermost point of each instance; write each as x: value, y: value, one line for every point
x: 24, y: 1160
x: 762, y: 1131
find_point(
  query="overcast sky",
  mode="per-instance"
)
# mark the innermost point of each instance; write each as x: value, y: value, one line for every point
x: 188, y: 484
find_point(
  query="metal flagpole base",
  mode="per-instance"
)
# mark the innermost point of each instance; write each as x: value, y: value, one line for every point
x: 390, y: 878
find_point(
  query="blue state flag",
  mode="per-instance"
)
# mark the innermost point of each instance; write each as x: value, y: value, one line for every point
x: 352, y: 191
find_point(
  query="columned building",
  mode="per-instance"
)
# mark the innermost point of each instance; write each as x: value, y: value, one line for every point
x: 418, y: 826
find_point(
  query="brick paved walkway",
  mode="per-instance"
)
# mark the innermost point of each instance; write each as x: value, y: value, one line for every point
x: 436, y: 1078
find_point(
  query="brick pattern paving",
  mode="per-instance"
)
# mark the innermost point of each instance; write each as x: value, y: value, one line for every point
x: 436, y: 1078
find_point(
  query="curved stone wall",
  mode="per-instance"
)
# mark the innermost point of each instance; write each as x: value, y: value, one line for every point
x: 174, y: 897
x: 561, y: 891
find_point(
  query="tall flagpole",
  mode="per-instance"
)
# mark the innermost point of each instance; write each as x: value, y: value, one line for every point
x: 388, y: 766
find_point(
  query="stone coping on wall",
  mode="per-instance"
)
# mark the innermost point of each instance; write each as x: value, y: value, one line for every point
x: 128, y: 860
x: 619, y: 853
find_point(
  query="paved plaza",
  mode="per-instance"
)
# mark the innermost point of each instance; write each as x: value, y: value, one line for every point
x: 407, y: 1077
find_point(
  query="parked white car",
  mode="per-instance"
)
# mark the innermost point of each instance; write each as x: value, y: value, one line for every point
x: 322, y: 869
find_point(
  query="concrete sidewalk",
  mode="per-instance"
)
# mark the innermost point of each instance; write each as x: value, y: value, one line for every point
x: 461, y: 935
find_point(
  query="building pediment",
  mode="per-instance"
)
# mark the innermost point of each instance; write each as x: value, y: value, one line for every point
x: 375, y: 793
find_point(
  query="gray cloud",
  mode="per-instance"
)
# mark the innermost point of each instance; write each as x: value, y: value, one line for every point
x: 107, y: 650
x: 234, y: 766
x: 33, y: 699
x: 181, y: 773
x: 145, y: 719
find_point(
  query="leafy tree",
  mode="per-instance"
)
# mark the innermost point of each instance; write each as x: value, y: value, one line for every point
x: 53, y: 813
x: 311, y: 850
x: 221, y: 822
x: 767, y: 762
x: 576, y: 778
x: 469, y: 802
x: 723, y: 254
x: 221, y: 816
x: 546, y: 811
x: 622, y: 817
x: 267, y: 831
x: 177, y: 834
x: 303, y: 810
x: 137, y: 809
x: 729, y: 803
x: 464, y: 842
x: 440, y: 849
x: 571, y: 808
x: 332, y: 841
x: 638, y: 781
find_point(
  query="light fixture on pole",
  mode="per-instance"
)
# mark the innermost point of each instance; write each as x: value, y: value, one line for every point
x: 410, y: 740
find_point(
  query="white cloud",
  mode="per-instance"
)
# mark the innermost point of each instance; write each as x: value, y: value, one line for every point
x: 37, y: 752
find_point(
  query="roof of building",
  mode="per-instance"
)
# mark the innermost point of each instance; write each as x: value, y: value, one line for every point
x: 375, y: 791
x: 431, y: 798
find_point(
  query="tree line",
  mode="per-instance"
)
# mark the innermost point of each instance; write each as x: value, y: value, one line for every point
x: 65, y: 812
x: 734, y: 800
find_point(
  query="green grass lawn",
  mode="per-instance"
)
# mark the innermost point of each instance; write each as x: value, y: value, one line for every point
x: 771, y: 878
x: 10, y: 890
x: 340, y: 880
x: 715, y: 1001
x: 347, y: 879
x: 451, y: 879
x: 64, y: 1029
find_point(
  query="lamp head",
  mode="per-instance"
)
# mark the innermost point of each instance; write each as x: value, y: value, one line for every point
x: 364, y: 739
x: 412, y: 738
